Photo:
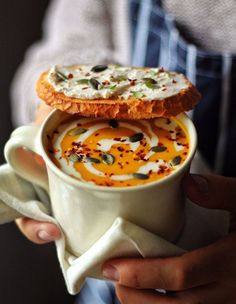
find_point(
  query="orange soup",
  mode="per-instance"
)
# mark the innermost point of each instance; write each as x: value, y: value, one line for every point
x: 119, y: 153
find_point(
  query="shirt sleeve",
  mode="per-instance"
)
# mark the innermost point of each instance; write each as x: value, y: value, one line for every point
x: 77, y: 33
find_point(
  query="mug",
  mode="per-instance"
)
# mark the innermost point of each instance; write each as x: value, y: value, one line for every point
x: 85, y: 211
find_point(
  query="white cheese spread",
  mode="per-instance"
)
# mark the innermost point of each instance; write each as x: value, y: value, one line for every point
x: 104, y: 82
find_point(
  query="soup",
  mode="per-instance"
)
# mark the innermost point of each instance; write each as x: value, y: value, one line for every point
x: 119, y: 153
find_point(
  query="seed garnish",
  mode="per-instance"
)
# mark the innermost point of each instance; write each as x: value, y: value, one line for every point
x: 158, y: 148
x: 176, y: 160
x: 138, y: 94
x: 83, y: 81
x: 92, y: 160
x: 108, y: 158
x: 140, y: 176
x: 94, y: 83
x: 60, y: 76
x: 136, y: 137
x: 99, y: 68
x: 78, y: 131
x: 75, y: 158
x: 113, y: 123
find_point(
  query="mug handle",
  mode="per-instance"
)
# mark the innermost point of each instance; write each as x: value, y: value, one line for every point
x: 23, y: 153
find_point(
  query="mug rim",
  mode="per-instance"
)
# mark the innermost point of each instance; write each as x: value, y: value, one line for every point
x: 49, y: 163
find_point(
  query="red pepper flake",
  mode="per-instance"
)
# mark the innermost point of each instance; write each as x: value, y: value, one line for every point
x: 98, y: 144
x: 168, y: 121
x: 96, y: 134
x: 121, y: 155
x: 121, y: 165
x: 150, y: 172
x: 164, y: 89
x: 84, y: 88
x: 70, y: 76
x: 132, y: 81
x: 121, y: 149
x: 106, y: 82
x: 174, y: 81
x: 127, y: 162
x: 117, y: 139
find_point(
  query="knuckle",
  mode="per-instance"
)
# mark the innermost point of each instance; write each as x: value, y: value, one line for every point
x: 181, y: 277
x: 131, y: 278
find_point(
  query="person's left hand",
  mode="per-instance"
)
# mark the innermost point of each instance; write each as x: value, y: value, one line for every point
x: 203, y: 276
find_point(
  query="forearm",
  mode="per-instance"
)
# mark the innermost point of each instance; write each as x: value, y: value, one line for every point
x: 79, y: 33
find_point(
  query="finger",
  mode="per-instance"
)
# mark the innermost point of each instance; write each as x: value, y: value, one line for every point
x: 210, y: 294
x: 195, y: 268
x: 211, y: 191
x: 38, y: 232
x: 128, y: 295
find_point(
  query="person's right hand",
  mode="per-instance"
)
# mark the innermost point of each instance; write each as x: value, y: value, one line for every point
x: 38, y: 232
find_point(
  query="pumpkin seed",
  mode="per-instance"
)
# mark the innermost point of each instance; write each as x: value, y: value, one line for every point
x: 92, y: 160
x: 74, y: 158
x: 83, y: 81
x: 138, y: 94
x: 150, y: 80
x: 94, y: 83
x: 158, y: 148
x: 99, y: 68
x: 119, y: 78
x: 140, y: 176
x: 108, y: 159
x: 113, y: 123
x: 78, y: 131
x: 60, y: 76
x: 176, y: 161
x: 136, y: 137
x: 112, y: 87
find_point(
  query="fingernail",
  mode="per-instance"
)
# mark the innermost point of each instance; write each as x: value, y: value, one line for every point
x: 45, y: 236
x: 111, y: 273
x: 201, y: 183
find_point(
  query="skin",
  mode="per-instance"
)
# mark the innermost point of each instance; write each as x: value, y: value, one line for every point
x: 203, y: 276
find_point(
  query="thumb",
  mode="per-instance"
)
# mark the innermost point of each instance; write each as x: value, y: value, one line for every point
x: 211, y: 191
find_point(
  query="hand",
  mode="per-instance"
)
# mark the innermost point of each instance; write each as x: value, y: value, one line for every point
x: 42, y: 112
x: 203, y: 276
x: 38, y: 232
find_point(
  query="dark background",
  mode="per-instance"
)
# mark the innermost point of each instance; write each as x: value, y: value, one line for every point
x: 29, y: 274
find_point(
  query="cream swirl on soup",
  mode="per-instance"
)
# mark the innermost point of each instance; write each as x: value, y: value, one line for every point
x: 119, y: 153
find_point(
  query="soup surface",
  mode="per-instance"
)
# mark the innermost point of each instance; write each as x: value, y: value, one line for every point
x: 118, y: 153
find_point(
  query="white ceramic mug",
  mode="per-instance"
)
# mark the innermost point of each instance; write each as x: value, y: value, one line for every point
x: 85, y: 211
